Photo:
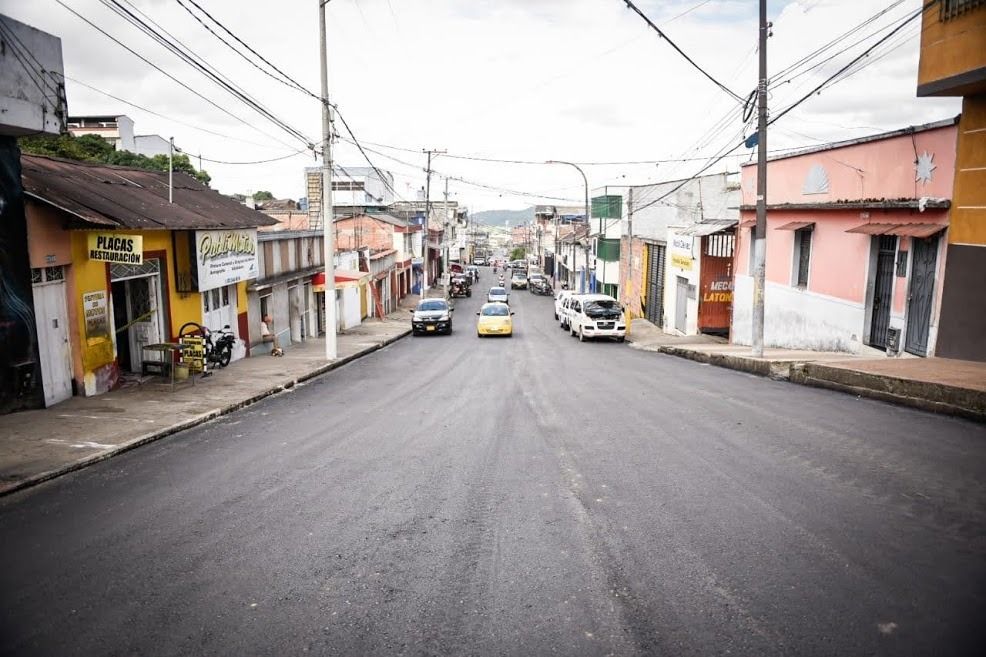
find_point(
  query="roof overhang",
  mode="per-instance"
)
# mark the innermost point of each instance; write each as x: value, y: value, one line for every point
x: 706, y: 228
x: 901, y: 230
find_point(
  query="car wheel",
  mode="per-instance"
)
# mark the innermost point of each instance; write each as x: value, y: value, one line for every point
x: 556, y: 317
x: 621, y: 339
x: 478, y: 334
x: 581, y: 336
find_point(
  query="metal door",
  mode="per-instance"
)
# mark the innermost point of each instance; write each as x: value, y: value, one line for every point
x: 654, y: 308
x: 715, y: 307
x: 924, y: 256
x: 681, y: 304
x: 51, y: 318
x: 142, y: 313
x: 883, y: 290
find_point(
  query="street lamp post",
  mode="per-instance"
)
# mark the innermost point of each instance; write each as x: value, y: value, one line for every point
x: 587, y: 219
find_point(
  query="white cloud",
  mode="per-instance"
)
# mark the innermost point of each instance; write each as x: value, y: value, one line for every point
x: 585, y: 80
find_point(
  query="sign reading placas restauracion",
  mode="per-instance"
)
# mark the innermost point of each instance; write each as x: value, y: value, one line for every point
x: 96, y: 313
x: 116, y: 247
x: 226, y: 257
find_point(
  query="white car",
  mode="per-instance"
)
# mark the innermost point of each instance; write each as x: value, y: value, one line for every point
x: 596, y: 316
x: 559, y: 299
x: 498, y: 294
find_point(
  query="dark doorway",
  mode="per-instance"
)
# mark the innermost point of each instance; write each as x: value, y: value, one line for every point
x: 883, y: 290
x: 920, y: 295
x: 654, y: 308
x: 120, y: 319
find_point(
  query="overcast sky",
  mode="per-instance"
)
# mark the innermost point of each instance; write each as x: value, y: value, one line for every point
x: 580, y: 80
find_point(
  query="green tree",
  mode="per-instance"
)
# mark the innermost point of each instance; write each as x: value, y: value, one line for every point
x: 263, y: 196
x: 93, y: 148
x: 518, y: 253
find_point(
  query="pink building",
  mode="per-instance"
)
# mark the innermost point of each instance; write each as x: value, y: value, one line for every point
x: 855, y: 248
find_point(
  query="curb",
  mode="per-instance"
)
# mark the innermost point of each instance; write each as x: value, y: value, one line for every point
x: 778, y: 370
x: 34, y: 480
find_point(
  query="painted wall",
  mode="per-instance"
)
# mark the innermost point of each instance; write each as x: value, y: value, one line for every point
x: 683, y: 259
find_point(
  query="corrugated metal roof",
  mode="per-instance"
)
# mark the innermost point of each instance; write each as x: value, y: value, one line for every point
x: 121, y: 197
x: 795, y: 225
x: 874, y: 229
x: 706, y: 227
x: 918, y: 230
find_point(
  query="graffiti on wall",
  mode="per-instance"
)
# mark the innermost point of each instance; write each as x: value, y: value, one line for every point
x: 20, y: 373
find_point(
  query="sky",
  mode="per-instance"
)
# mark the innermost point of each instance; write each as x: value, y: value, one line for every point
x: 586, y: 81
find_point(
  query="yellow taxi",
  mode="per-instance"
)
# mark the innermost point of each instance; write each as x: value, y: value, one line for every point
x: 495, y: 319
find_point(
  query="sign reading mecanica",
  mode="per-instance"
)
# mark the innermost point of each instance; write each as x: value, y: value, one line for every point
x: 226, y: 257
x: 115, y: 247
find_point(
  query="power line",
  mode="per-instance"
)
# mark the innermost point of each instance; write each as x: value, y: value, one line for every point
x: 273, y: 159
x: 681, y: 52
x: 166, y: 74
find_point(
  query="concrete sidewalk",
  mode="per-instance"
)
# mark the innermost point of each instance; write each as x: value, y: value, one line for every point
x: 939, y: 385
x: 42, y: 444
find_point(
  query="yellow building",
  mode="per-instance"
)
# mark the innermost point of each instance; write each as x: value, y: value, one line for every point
x: 953, y: 63
x: 117, y: 267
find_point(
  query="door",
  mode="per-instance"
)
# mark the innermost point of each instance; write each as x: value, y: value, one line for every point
x: 51, y: 317
x: 681, y: 304
x: 141, y: 297
x: 715, y: 307
x: 654, y: 308
x: 924, y: 254
x: 883, y: 290
x: 219, y: 308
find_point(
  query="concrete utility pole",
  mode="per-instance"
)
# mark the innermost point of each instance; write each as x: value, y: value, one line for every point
x: 328, y: 240
x: 424, y: 242
x: 446, y: 275
x: 760, y: 238
x: 171, y: 169
x: 587, y: 220
x: 629, y: 244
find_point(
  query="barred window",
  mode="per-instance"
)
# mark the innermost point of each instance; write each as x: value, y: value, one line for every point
x: 36, y: 276
x: 54, y: 274
x: 953, y: 8
x: 803, y: 255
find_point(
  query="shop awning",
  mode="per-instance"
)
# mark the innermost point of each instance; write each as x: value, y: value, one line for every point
x: 705, y: 228
x: 796, y: 225
x: 749, y: 223
x: 344, y: 277
x: 902, y: 230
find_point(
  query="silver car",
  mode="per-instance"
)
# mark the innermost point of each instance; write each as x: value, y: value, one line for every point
x: 498, y: 294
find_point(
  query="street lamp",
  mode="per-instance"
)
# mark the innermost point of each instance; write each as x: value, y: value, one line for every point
x: 587, y: 219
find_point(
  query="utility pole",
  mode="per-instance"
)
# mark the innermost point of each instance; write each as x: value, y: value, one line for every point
x: 445, y: 257
x: 424, y: 243
x: 328, y: 240
x: 171, y: 169
x: 629, y: 277
x: 760, y: 236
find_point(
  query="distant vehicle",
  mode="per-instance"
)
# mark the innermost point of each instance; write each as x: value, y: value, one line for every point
x: 498, y: 295
x: 495, y: 319
x: 596, y: 316
x: 479, y: 261
x: 541, y: 286
x: 473, y: 271
x: 460, y: 286
x: 432, y: 316
x: 518, y: 280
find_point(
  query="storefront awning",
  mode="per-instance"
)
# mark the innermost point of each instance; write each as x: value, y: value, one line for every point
x: 901, y: 230
x: 796, y: 225
x: 749, y: 223
x: 344, y: 277
x: 705, y: 228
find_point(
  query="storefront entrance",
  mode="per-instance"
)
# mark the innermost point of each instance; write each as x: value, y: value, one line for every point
x: 137, y: 316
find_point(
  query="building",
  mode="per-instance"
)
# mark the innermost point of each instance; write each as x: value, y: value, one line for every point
x: 677, y: 252
x: 32, y: 100
x: 606, y: 229
x: 953, y: 63
x: 118, y: 270
x: 855, y: 243
x: 119, y: 131
x: 351, y: 187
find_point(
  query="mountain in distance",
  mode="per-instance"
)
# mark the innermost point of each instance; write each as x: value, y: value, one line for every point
x: 501, y: 217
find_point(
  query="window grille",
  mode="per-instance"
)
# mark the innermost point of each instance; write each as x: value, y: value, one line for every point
x: 120, y: 271
x: 954, y: 8
x: 36, y: 276
x: 54, y: 274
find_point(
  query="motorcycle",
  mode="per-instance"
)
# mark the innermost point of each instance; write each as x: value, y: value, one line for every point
x: 219, y: 350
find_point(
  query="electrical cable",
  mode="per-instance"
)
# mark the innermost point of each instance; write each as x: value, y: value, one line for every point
x: 681, y: 52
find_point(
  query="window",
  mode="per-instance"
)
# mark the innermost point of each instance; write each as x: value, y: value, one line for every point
x: 47, y: 274
x: 802, y: 256
x: 265, y: 302
x: 952, y: 8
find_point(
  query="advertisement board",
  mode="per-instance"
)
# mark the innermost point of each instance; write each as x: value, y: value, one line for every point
x: 97, y: 314
x: 225, y: 257
x: 116, y: 247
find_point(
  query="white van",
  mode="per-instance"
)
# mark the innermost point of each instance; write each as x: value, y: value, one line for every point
x: 560, y: 297
x: 596, y: 316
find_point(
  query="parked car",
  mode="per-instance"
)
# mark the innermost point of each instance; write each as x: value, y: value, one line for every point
x: 463, y: 282
x: 596, y: 316
x: 518, y: 280
x: 498, y: 295
x: 560, y: 297
x: 537, y: 283
x: 479, y: 261
x: 432, y: 316
x: 495, y: 319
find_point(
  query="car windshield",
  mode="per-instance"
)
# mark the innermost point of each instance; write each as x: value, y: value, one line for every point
x: 497, y: 291
x: 519, y: 276
x: 496, y: 310
x: 603, y: 308
x: 435, y: 304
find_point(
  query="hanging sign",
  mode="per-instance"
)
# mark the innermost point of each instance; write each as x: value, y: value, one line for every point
x: 115, y: 247
x: 225, y: 257
x: 95, y: 309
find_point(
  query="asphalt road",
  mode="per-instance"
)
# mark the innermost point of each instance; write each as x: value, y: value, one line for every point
x: 525, y: 496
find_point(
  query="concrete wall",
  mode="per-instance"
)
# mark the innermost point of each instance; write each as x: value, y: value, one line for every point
x: 30, y: 98
x: 683, y: 259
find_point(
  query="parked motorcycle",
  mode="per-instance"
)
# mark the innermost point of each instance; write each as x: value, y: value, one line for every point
x: 218, y: 350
